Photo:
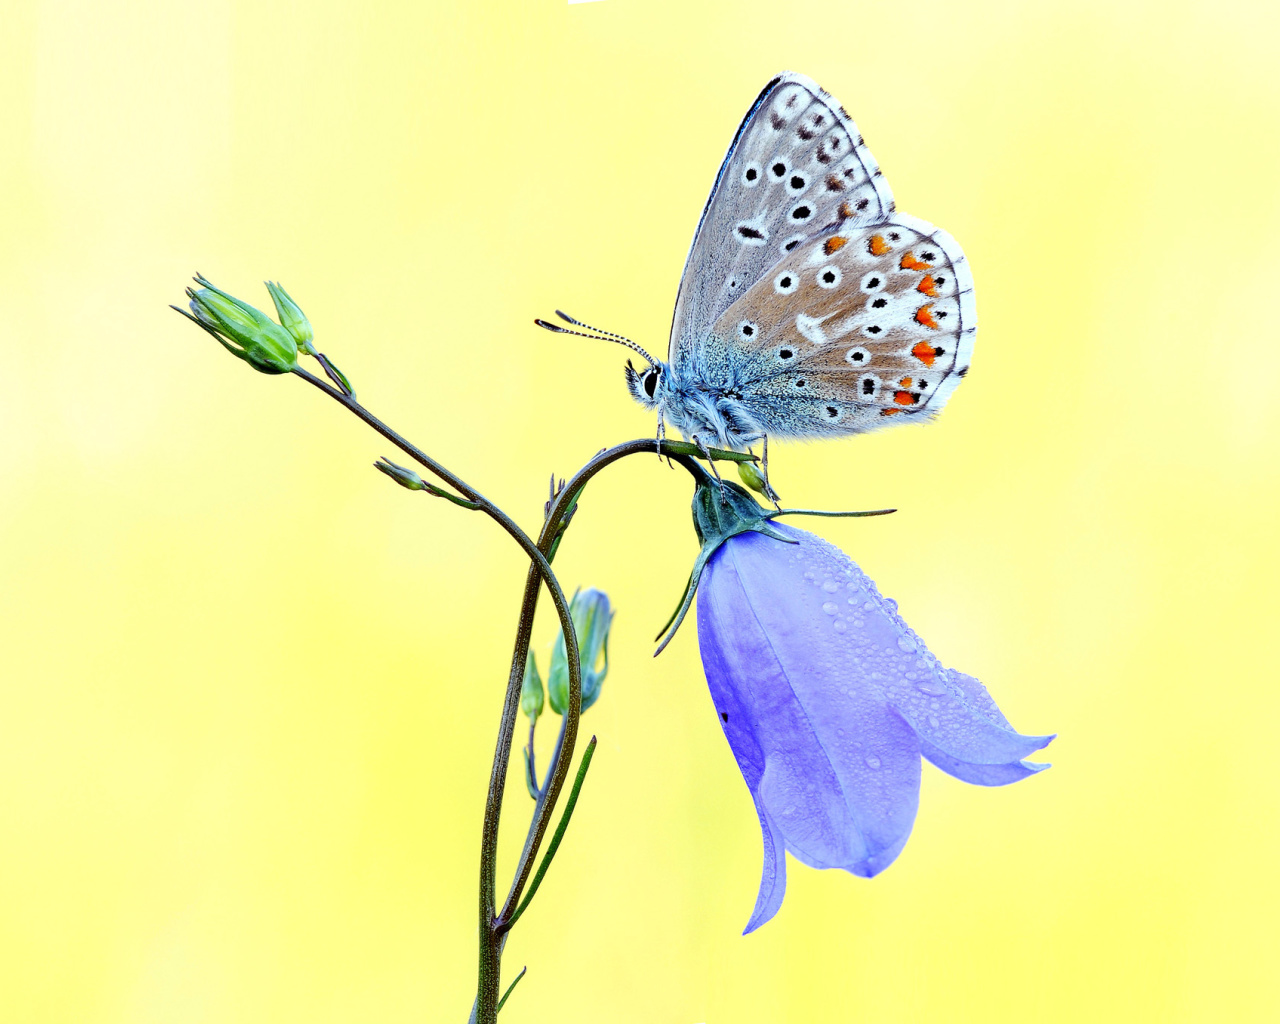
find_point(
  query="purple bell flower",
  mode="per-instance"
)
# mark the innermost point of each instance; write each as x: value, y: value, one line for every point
x: 828, y: 700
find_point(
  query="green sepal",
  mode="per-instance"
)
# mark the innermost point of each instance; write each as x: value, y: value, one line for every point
x: 722, y: 510
x: 569, y: 511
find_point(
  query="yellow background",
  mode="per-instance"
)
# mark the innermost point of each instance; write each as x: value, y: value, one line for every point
x: 250, y: 687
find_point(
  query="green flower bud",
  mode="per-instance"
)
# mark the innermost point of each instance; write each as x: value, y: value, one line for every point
x: 592, y: 618
x: 404, y: 477
x: 292, y: 319
x: 244, y: 331
x: 531, y: 699
x: 750, y: 474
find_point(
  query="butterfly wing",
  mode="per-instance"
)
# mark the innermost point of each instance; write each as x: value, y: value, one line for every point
x: 855, y: 328
x: 796, y: 165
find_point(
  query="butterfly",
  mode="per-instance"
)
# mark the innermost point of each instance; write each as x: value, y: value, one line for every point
x: 808, y: 307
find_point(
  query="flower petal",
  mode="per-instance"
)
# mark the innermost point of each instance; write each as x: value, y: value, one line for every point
x: 979, y: 774
x: 937, y: 708
x: 935, y: 701
x: 773, y: 879
x: 828, y: 700
x: 832, y: 769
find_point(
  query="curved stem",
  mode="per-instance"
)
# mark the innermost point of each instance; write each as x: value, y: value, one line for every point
x: 539, y: 571
x: 558, y: 768
x: 494, y: 926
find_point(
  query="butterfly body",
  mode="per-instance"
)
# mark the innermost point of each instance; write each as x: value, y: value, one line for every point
x: 808, y: 307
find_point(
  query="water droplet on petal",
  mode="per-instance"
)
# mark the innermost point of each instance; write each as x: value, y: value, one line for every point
x: 830, y: 608
x: 831, y: 586
x: 867, y: 606
x: 933, y: 722
x: 905, y: 644
x: 839, y: 626
x: 808, y: 574
x: 931, y: 687
x: 873, y: 762
x: 893, y: 605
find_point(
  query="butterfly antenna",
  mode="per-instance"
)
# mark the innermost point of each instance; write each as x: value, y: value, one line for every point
x: 599, y: 335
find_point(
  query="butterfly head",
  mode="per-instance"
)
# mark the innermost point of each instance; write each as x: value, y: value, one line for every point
x: 646, y: 385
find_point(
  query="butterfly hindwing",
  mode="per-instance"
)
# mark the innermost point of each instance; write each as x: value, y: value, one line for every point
x: 796, y: 164
x: 856, y: 325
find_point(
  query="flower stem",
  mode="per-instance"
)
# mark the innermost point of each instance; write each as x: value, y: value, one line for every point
x: 495, y: 926
x: 486, y: 1008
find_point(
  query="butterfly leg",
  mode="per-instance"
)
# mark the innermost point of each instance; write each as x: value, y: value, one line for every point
x: 662, y: 436
x: 769, y: 492
x: 706, y: 454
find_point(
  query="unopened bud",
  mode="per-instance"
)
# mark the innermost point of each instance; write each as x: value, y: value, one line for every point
x: 244, y: 331
x: 404, y: 477
x: 292, y: 319
x: 531, y: 698
x: 750, y: 475
x: 592, y: 616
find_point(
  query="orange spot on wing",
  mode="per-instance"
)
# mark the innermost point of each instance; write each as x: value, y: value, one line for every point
x: 923, y: 316
x: 924, y: 352
x: 846, y: 211
x: 927, y: 286
x: 903, y: 397
x: 909, y: 262
x: 833, y: 243
x: 905, y: 382
x: 878, y: 246
x: 890, y: 412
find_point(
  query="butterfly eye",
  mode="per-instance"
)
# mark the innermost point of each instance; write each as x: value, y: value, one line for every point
x: 785, y: 283
x: 751, y: 175
x: 873, y: 282
x: 650, y: 382
x: 747, y: 329
x: 857, y: 357
x: 829, y: 277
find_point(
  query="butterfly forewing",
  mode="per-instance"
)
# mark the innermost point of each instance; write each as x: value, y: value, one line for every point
x: 796, y: 165
x: 855, y: 325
